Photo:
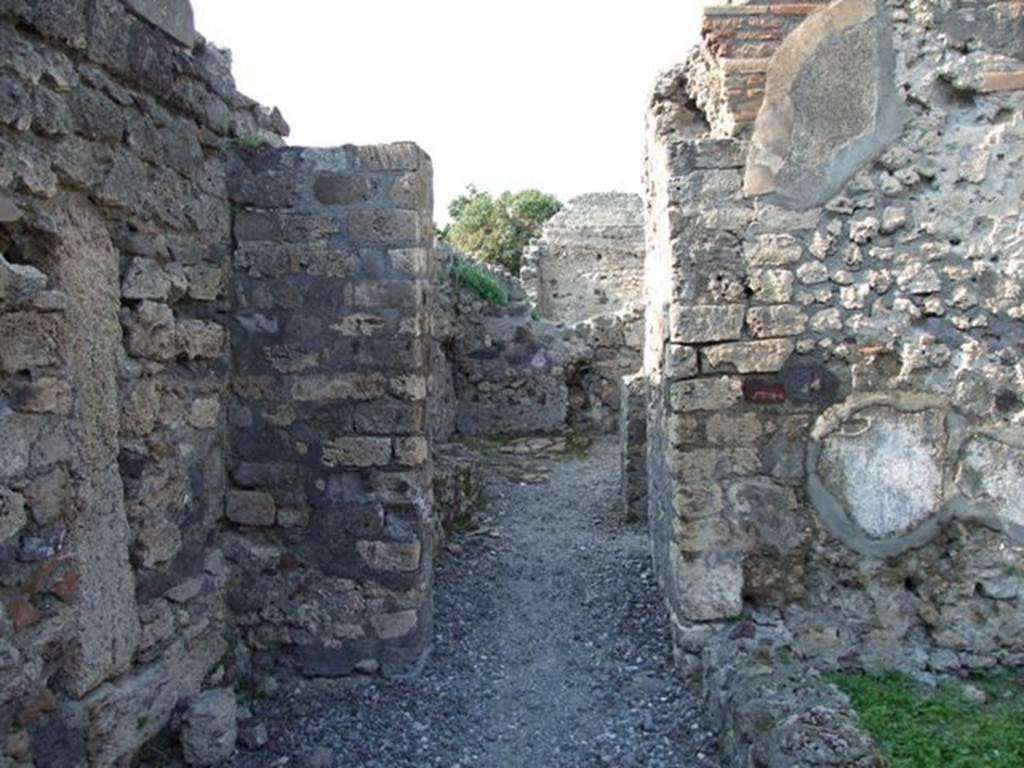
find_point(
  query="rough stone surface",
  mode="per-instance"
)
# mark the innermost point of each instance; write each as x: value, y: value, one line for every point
x: 778, y: 713
x: 174, y: 17
x: 819, y: 470
x: 210, y: 727
x: 497, y: 369
x: 817, y: 124
x: 328, y: 419
x: 589, y: 259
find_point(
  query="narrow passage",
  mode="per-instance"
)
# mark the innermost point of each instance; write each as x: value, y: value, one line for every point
x: 551, y: 651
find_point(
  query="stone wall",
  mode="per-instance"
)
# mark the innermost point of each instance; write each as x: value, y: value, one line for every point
x: 330, y: 506
x: 589, y: 259
x: 143, y: 356
x: 834, y: 306
x: 115, y: 239
x: 499, y: 369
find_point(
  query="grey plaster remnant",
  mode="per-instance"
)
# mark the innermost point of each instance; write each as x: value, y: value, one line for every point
x: 174, y: 17
x: 9, y: 211
x: 818, y: 125
x: 962, y: 493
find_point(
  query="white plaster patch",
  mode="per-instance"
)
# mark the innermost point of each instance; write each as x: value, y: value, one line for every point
x: 885, y: 467
x: 996, y: 471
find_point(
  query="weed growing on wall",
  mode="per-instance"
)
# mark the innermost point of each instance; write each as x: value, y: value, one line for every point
x: 477, y: 281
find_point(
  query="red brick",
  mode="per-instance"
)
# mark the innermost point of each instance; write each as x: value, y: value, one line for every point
x: 38, y: 706
x: 66, y: 587
x: 764, y: 392
x: 23, y: 614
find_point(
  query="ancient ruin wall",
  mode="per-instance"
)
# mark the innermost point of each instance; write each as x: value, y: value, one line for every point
x: 143, y: 356
x: 836, y: 420
x: 115, y: 233
x: 499, y: 369
x: 589, y: 260
x: 329, y: 448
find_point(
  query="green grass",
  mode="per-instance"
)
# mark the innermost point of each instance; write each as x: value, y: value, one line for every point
x: 479, y: 283
x: 915, y: 728
x: 250, y: 141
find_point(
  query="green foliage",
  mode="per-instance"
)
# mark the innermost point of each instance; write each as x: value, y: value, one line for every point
x: 941, y: 729
x: 250, y: 141
x: 483, y: 285
x: 497, y: 229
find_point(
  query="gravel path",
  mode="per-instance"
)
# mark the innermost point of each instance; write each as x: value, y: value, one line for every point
x: 552, y: 650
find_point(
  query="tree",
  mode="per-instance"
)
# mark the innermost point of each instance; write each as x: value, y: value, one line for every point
x: 496, y: 230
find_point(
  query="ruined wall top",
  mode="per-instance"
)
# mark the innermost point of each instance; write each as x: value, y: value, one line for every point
x: 589, y: 260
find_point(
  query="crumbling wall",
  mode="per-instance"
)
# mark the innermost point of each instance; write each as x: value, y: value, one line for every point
x: 499, y: 369
x: 834, y: 363
x: 213, y: 373
x: 589, y: 259
x: 330, y: 506
x: 115, y: 123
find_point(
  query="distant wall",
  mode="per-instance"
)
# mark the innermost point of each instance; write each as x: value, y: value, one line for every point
x: 589, y: 260
x: 501, y: 369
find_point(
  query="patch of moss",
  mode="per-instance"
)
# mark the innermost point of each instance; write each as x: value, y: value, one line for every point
x: 250, y: 141
x: 917, y: 728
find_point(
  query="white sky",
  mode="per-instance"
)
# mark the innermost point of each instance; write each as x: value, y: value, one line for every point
x: 504, y: 95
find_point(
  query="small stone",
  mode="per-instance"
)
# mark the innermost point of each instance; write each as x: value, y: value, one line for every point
x: 771, y: 286
x: 12, y: 514
x: 200, y: 339
x: 318, y: 757
x: 204, y: 413
x: 893, y: 219
x: 973, y: 693
x: 253, y: 735
x: 777, y: 250
x: 391, y: 555
x: 22, y: 613
x: 36, y: 707
x: 391, y: 626
x: 812, y: 273
x: 357, y: 452
x: 766, y: 322
x: 210, y: 728
x: 19, y: 283
x: 705, y: 323
x: 146, y: 279
x: 43, y: 395
x: 411, y: 451
x: 747, y: 357
x: 253, y: 508
x: 919, y: 279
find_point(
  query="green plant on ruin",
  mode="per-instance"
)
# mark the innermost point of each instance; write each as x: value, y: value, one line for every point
x: 497, y: 229
x: 478, y: 282
x: 250, y: 141
x: 577, y: 445
x: 915, y: 728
